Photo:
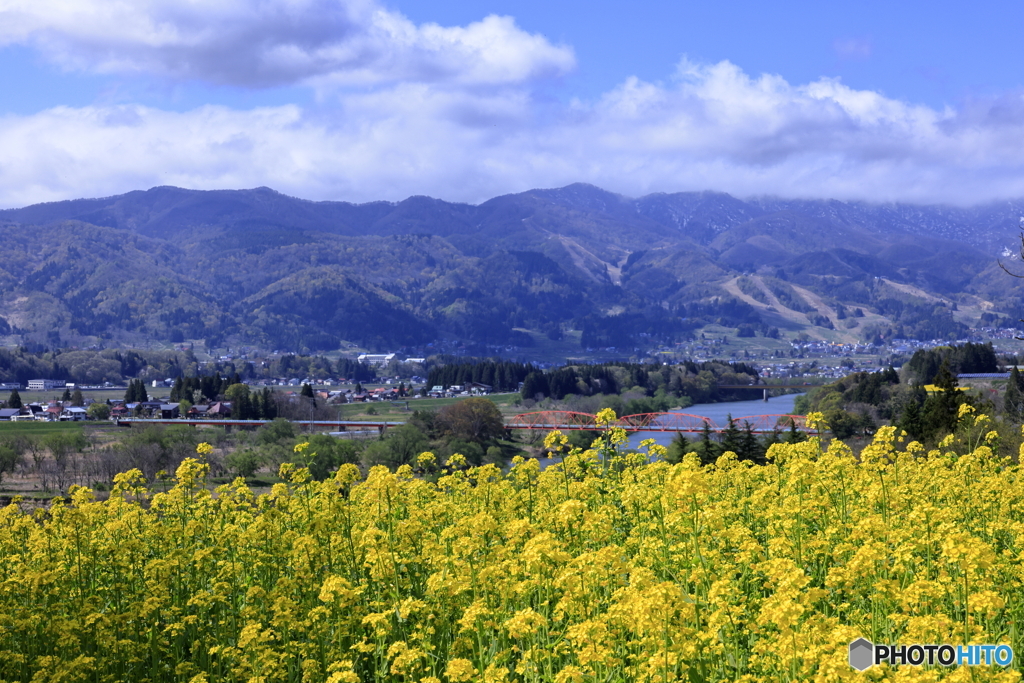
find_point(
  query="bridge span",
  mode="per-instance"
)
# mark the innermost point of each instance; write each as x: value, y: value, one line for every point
x: 768, y: 387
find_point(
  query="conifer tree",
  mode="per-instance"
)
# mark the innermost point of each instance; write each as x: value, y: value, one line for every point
x: 795, y: 435
x: 677, y: 449
x: 708, y: 449
x: 177, y: 391
x: 15, y: 400
x: 750, y: 446
x: 941, y: 408
x: 910, y: 421
x: 307, y: 391
x: 732, y: 438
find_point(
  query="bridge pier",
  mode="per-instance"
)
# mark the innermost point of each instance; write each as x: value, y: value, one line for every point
x: 765, y: 395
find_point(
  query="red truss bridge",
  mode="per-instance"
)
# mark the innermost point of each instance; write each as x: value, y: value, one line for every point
x: 651, y: 422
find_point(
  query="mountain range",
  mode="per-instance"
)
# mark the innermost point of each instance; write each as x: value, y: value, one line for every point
x: 262, y: 268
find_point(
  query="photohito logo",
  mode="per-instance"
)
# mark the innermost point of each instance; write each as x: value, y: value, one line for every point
x: 864, y: 654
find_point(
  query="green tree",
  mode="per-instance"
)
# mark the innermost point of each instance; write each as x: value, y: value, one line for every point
x: 794, y: 435
x: 400, y: 447
x: 328, y: 453
x: 677, y: 449
x: 9, y: 459
x: 276, y: 431
x: 535, y: 385
x: 474, y: 419
x: 750, y: 446
x: 66, y: 396
x: 307, y: 391
x: 941, y: 408
x: 241, y: 405
x: 15, y: 400
x: 244, y: 462
x: 910, y: 421
x: 176, y: 389
x: 707, y: 449
x: 98, y: 411
x: 136, y: 392
x: 76, y: 398
x: 732, y: 438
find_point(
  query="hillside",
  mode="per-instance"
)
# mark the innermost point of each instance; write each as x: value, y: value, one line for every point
x: 259, y: 267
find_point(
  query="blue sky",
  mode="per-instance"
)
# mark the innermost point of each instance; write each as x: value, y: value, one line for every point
x: 358, y: 100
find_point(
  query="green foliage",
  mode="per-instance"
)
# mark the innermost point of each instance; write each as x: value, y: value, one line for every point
x: 15, y: 400
x: 477, y: 420
x: 400, y: 446
x: 852, y: 395
x: 155, y: 448
x: 502, y: 375
x: 98, y: 411
x: 970, y: 357
x: 941, y: 409
x: 10, y: 458
x: 278, y: 430
x: 244, y: 462
x: 136, y: 392
x: 328, y: 454
x: 1013, y: 397
x: 664, y: 386
x: 677, y: 449
x: 844, y: 424
x: 307, y: 276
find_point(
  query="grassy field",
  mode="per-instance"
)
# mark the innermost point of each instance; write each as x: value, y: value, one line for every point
x: 39, y: 428
x: 400, y: 410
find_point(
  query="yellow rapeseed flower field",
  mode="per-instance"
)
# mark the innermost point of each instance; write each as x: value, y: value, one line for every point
x: 606, y: 567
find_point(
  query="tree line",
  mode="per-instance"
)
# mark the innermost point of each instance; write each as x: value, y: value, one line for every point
x: 696, y: 382
x: 502, y: 375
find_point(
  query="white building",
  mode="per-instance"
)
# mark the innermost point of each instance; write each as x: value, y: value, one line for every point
x: 378, y: 359
x: 45, y: 384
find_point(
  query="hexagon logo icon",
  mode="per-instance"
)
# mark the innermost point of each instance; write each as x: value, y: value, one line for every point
x: 862, y: 654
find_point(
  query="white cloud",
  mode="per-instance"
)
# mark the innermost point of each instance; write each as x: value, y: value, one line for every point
x: 276, y: 42
x: 715, y: 127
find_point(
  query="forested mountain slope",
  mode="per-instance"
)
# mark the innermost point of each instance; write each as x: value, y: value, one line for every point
x: 260, y: 267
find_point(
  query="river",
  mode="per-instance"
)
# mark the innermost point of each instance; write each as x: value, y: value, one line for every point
x: 718, y: 413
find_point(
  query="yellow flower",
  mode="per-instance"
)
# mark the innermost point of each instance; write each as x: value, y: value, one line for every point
x: 456, y: 460
x: 817, y: 421
x: 459, y: 670
x: 204, y: 449
x: 555, y: 440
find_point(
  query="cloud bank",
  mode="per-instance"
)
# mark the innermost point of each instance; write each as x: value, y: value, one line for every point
x: 453, y: 112
x: 276, y: 42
